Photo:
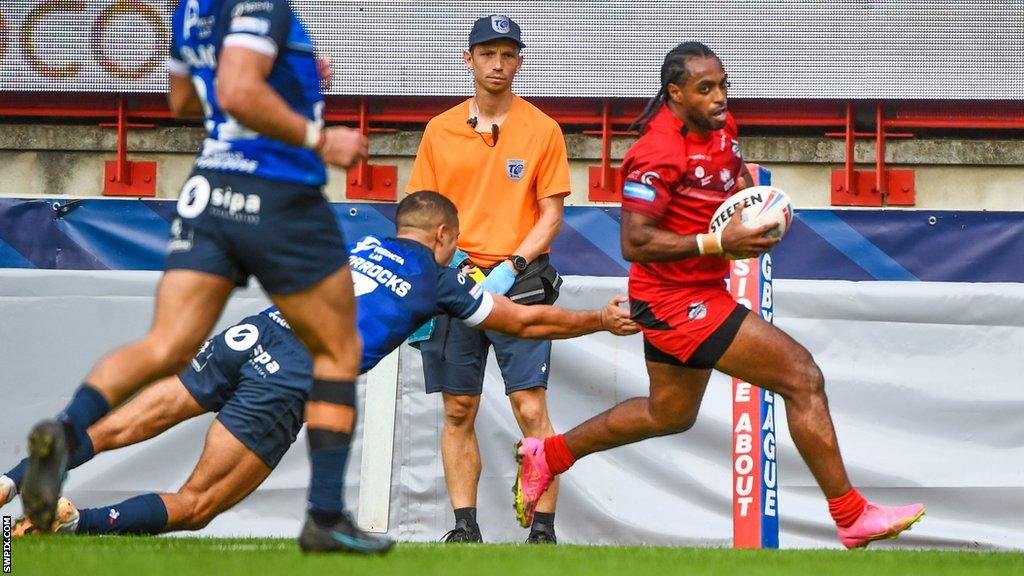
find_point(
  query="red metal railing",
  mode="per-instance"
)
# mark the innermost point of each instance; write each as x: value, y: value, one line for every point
x: 601, y: 117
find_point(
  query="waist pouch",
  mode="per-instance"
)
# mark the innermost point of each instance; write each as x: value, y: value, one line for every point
x: 537, y: 284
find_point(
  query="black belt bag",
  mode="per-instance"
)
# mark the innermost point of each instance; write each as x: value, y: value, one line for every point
x: 537, y: 284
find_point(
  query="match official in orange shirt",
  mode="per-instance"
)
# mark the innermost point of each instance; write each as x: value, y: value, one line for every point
x: 503, y: 163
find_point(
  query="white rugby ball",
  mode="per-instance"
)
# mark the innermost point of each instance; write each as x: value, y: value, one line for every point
x: 756, y: 206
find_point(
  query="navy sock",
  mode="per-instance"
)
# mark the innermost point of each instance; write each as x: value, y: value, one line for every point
x: 144, y: 514
x: 328, y: 454
x: 87, y: 406
x: 82, y: 454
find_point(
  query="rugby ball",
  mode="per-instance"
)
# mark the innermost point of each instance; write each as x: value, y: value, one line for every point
x: 756, y: 206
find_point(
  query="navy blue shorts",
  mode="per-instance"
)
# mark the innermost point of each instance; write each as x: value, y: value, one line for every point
x: 256, y: 376
x: 236, y: 226
x: 455, y: 357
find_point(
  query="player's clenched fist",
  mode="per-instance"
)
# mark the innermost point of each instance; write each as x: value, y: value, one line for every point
x: 343, y: 146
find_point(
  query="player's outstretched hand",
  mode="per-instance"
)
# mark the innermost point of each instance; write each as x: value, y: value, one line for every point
x: 616, y: 320
x: 743, y: 242
x: 344, y: 147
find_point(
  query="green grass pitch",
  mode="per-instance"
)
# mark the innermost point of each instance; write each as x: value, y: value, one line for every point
x: 114, y: 556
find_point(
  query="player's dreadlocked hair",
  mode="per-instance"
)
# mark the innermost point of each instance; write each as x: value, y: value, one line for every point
x: 673, y: 71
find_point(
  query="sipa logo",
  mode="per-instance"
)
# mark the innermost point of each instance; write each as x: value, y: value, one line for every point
x: 262, y: 360
x: 235, y: 202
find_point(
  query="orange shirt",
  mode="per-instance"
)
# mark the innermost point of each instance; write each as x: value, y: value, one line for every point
x: 496, y: 189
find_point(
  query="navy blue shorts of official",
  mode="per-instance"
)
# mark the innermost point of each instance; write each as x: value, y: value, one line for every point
x: 455, y: 357
x: 237, y: 225
x: 256, y: 376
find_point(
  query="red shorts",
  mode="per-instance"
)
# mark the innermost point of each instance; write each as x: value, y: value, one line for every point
x: 677, y: 321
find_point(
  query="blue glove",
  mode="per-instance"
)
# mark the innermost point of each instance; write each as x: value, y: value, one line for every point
x: 500, y: 280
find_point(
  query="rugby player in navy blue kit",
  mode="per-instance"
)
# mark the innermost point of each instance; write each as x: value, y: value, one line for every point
x: 256, y: 375
x: 252, y: 207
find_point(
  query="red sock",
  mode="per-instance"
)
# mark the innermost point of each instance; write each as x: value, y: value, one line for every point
x: 847, y: 508
x: 556, y: 452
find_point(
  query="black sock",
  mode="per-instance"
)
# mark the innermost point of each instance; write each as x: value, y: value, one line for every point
x: 328, y: 455
x: 467, y: 514
x: 543, y: 521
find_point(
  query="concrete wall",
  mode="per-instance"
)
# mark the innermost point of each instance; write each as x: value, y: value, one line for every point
x: 951, y: 173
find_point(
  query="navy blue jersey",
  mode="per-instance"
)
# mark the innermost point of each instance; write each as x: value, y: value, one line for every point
x: 200, y: 29
x: 398, y: 287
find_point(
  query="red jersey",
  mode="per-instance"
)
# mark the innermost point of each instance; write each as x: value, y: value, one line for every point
x: 680, y: 179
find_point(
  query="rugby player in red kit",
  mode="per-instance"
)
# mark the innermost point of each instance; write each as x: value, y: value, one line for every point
x: 686, y: 163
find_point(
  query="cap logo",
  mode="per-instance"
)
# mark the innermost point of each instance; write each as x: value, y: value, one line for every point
x: 500, y: 24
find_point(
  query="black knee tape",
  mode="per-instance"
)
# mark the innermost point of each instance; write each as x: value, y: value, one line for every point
x: 342, y: 392
x: 320, y: 439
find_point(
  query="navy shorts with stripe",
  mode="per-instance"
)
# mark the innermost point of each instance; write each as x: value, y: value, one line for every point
x: 256, y: 376
x: 237, y: 225
x: 455, y: 357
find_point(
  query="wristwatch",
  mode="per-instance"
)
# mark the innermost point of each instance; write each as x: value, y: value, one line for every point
x: 518, y: 262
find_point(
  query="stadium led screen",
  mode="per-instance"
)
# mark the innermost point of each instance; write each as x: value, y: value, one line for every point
x: 894, y: 49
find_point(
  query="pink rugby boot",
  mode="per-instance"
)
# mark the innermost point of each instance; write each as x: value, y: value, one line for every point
x: 880, y: 522
x: 532, y: 480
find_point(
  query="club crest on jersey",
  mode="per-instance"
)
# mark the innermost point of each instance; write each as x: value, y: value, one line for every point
x: 697, y: 311
x: 736, y: 149
x: 515, y: 169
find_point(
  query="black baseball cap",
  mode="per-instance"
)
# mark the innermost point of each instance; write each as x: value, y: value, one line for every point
x: 494, y: 27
